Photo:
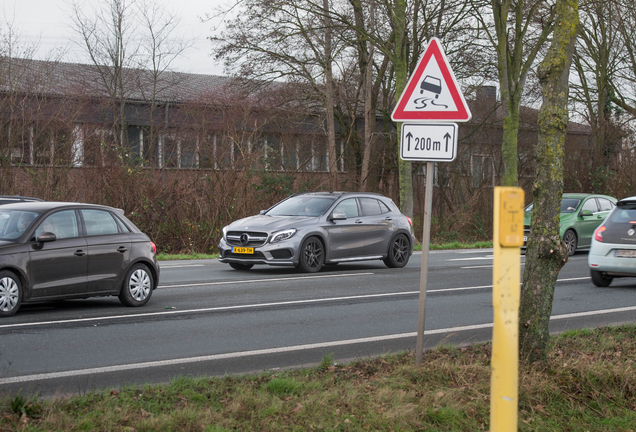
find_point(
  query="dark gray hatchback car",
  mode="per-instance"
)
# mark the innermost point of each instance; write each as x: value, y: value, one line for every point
x: 56, y: 250
x: 309, y: 230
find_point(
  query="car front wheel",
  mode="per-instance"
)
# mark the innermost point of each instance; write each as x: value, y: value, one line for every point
x: 569, y: 238
x: 10, y: 294
x: 312, y: 256
x: 599, y: 279
x: 137, y: 287
x: 398, y: 252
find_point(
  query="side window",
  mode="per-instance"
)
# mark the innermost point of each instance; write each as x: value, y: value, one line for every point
x: 370, y: 206
x: 348, y: 207
x: 99, y: 222
x: 122, y: 226
x: 384, y: 208
x: 590, y: 205
x: 63, y: 224
x: 605, y: 204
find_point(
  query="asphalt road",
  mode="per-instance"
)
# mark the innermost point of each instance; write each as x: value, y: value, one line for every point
x: 207, y: 319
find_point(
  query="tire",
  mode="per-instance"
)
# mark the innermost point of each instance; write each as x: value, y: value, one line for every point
x: 312, y: 256
x: 570, y: 240
x: 137, y: 287
x: 237, y: 266
x: 10, y: 293
x: 599, y: 279
x: 398, y: 254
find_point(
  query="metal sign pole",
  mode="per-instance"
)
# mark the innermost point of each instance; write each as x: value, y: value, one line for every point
x: 426, y: 240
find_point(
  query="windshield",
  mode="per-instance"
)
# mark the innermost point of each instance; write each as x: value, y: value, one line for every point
x: 302, y: 206
x: 13, y: 223
x: 568, y: 205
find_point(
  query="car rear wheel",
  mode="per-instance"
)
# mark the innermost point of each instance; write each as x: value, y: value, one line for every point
x: 10, y: 293
x: 600, y: 279
x: 312, y: 256
x: 398, y: 252
x: 137, y: 287
x: 237, y: 266
x: 569, y: 238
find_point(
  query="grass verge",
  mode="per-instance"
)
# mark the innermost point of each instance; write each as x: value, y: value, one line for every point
x: 588, y: 384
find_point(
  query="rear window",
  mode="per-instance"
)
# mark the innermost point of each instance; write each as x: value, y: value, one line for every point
x: 625, y: 214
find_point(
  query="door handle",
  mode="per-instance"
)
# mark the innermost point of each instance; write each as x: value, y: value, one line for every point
x: 388, y: 218
x: 122, y: 249
x: 358, y: 221
x: 79, y: 253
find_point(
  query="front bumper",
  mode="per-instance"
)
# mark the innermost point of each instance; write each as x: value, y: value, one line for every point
x: 277, y: 254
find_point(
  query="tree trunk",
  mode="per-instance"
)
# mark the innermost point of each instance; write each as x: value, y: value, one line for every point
x: 369, y: 111
x: 401, y: 72
x: 331, y: 125
x: 546, y: 252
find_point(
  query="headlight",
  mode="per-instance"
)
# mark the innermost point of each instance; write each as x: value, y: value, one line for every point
x: 224, y: 232
x: 282, y: 235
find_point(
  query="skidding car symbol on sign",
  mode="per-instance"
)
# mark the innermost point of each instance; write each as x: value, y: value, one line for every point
x: 432, y: 84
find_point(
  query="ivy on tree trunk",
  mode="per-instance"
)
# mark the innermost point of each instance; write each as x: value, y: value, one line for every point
x: 546, y: 252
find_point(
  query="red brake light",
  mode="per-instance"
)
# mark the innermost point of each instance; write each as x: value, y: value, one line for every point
x: 410, y: 221
x: 154, y: 248
x: 598, y: 234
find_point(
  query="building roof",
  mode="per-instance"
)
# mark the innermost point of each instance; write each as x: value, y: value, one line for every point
x: 73, y: 79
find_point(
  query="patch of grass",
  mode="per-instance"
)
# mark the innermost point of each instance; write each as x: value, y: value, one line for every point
x: 456, y: 245
x: 193, y: 256
x: 588, y: 383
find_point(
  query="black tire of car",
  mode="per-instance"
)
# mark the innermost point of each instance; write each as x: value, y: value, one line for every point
x: 570, y: 240
x: 312, y: 256
x: 237, y: 266
x: 137, y: 287
x: 599, y: 279
x: 9, y: 285
x: 398, y: 254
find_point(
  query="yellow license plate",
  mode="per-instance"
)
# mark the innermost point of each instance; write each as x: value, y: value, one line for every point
x: 243, y: 250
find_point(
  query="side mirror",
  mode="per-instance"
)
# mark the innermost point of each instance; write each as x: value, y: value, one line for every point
x: 338, y: 216
x: 262, y: 212
x: 46, y: 237
x: 586, y: 213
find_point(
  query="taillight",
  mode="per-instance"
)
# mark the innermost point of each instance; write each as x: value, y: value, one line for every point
x: 154, y: 248
x: 410, y: 221
x: 598, y: 234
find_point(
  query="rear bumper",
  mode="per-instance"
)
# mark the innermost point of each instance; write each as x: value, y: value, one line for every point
x: 602, y: 257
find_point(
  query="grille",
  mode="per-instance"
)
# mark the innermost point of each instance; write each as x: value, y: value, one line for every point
x: 255, y: 255
x: 253, y: 238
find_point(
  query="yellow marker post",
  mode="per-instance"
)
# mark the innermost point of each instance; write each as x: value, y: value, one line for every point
x: 507, y: 240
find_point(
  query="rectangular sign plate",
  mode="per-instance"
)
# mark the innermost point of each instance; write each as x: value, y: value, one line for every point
x: 243, y: 250
x: 435, y: 142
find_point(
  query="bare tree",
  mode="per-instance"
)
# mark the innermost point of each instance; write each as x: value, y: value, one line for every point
x: 517, y: 40
x: 130, y: 58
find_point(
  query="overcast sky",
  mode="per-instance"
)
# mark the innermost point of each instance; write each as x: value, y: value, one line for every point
x: 48, y: 22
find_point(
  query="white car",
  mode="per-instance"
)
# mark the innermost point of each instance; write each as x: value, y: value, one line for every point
x: 613, y: 250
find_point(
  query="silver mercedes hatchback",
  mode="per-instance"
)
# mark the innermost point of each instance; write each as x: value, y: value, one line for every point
x: 309, y: 230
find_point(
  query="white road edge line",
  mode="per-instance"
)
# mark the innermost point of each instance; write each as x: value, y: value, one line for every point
x: 152, y: 364
x: 266, y: 280
x: 253, y: 306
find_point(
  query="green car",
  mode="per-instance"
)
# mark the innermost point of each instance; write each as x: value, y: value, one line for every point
x: 581, y: 214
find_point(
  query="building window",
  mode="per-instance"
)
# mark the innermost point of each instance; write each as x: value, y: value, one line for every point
x: 482, y: 169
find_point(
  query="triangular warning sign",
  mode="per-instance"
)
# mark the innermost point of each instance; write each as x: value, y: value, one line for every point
x: 432, y: 92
